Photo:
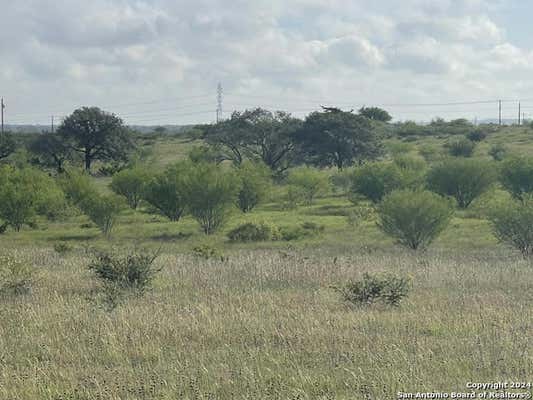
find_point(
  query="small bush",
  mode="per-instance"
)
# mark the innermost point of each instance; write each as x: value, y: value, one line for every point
x: 389, y: 289
x: 293, y: 197
x: 414, y: 218
x: 103, y: 210
x: 255, y: 182
x: 463, y: 147
x: 516, y: 176
x: 254, y: 232
x: 62, y: 248
x: 16, y: 277
x: 310, y: 181
x: 306, y: 229
x: 207, y: 252
x: 375, y: 180
x: 358, y: 215
x: 342, y: 179
x: 464, y: 180
x: 134, y: 270
x: 131, y: 183
x: 498, y: 152
x: 477, y: 135
x: 512, y: 223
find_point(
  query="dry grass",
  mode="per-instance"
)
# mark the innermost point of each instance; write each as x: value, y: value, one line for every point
x: 265, y: 324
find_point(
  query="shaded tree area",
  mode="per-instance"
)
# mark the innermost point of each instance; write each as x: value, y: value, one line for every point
x: 7, y: 145
x: 51, y: 151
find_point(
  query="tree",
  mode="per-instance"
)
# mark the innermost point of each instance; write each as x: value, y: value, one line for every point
x: 255, y: 180
x: 96, y: 135
x: 516, y: 176
x: 375, y: 114
x: 166, y: 191
x: 51, y: 151
x: 375, y: 180
x: 102, y: 210
x: 463, y: 179
x: 131, y: 184
x: 414, y: 218
x: 310, y: 182
x: 210, y: 194
x: 7, y: 145
x: 259, y: 135
x: 338, y: 138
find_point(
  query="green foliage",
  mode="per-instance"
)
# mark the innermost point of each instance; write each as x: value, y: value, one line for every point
x: 358, y: 215
x: 77, y: 186
x: 207, y: 252
x: 498, y: 152
x: 341, y: 180
x: 102, y: 210
x: 210, y: 193
x: 387, y: 288
x: 310, y: 182
x: 254, y: 232
x: 413, y: 217
x: 477, y: 135
x: 463, y: 179
x: 166, y: 191
x: 294, y: 196
x: 516, y: 176
x: 131, y: 183
x: 16, y: 276
x: 306, y: 229
x: 462, y: 147
x: 7, y: 145
x: 512, y: 223
x: 375, y: 114
x: 255, y: 181
x: 62, y: 248
x: 201, y: 154
x: 375, y: 180
x: 51, y: 151
x: 409, y: 129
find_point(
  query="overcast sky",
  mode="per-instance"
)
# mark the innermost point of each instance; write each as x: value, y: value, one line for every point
x: 159, y: 61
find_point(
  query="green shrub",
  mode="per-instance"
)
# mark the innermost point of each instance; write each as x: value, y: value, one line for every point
x: 131, y: 184
x: 498, y: 152
x: 516, y: 176
x: 210, y: 194
x: 387, y: 288
x: 512, y: 223
x: 341, y: 180
x: 293, y: 197
x: 134, y: 270
x: 413, y: 217
x: 62, y: 247
x: 16, y: 277
x: 254, y: 232
x: 166, y: 192
x: 77, y: 186
x: 102, y: 210
x: 477, y: 135
x: 207, y: 252
x: 464, y: 180
x: 255, y: 182
x: 412, y: 171
x: 310, y: 181
x: 358, y: 215
x: 463, y: 147
x: 306, y: 229
x: 375, y: 180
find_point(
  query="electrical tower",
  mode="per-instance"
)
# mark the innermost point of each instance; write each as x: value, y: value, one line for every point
x: 2, y: 106
x: 219, y: 102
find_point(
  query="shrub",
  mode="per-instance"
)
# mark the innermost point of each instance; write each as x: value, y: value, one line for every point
x: 375, y: 180
x: 310, y: 181
x: 77, y: 186
x: 102, y: 210
x: 16, y: 277
x: 413, y: 217
x: 255, y: 181
x: 358, y: 215
x: 254, y: 232
x: 389, y: 289
x: 210, y: 194
x: 293, y: 197
x: 342, y: 179
x: 134, y: 270
x: 131, y: 183
x: 516, y: 176
x: 166, y: 192
x: 477, y: 135
x: 512, y: 223
x: 412, y: 171
x: 465, y: 180
x: 498, y: 152
x: 305, y: 229
x: 463, y: 147
x: 207, y: 252
x: 62, y: 247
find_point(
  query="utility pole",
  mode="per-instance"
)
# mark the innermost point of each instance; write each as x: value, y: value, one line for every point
x: 519, y: 113
x: 500, y: 112
x: 52, y: 130
x: 219, y: 102
x: 2, y: 106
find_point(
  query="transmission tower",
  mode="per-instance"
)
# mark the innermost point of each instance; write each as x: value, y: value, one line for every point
x: 219, y: 102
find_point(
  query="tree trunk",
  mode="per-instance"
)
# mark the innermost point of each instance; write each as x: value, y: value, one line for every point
x: 87, y: 162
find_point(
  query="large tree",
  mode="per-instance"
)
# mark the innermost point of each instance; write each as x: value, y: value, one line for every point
x: 96, y: 135
x: 339, y: 138
x: 257, y: 134
x: 375, y: 114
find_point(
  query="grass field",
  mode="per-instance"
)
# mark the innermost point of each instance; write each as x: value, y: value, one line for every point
x: 264, y: 322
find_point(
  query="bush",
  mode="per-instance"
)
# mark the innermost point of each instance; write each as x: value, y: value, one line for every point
x: 210, y: 194
x: 102, y: 210
x: 498, y: 152
x: 310, y: 181
x: 77, y: 186
x: 465, y: 180
x: 166, y: 192
x: 375, y: 180
x: 16, y: 277
x: 134, y: 270
x: 254, y: 232
x: 293, y: 197
x: 62, y: 247
x: 255, y: 181
x: 516, y: 176
x: 341, y: 180
x: 304, y: 230
x: 512, y: 223
x: 389, y: 289
x: 131, y: 183
x: 207, y: 252
x: 358, y: 215
x: 413, y: 217
x: 477, y: 135
x: 463, y: 147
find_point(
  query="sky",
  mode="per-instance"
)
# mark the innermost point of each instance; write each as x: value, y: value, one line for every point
x: 160, y: 61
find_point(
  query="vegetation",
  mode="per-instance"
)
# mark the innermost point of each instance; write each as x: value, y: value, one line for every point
x: 462, y: 147
x: 375, y: 180
x: 516, y: 176
x: 131, y: 184
x: 255, y: 182
x: 389, y: 289
x: 309, y: 182
x: 254, y: 232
